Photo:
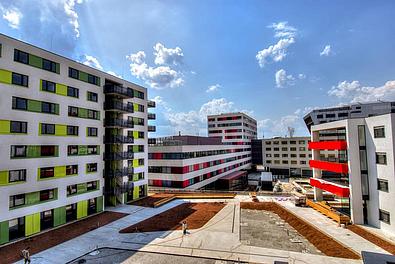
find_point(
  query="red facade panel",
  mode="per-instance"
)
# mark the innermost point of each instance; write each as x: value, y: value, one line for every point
x: 329, y: 166
x: 339, y: 190
x: 339, y: 145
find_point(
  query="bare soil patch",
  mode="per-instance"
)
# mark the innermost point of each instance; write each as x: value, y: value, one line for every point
x: 196, y: 215
x: 12, y: 253
x: 150, y: 201
x: 375, y: 239
x: 321, y: 241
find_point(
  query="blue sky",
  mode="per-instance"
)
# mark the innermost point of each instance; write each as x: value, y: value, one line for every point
x: 276, y: 60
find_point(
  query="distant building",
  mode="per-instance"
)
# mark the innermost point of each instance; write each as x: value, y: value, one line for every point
x: 193, y: 162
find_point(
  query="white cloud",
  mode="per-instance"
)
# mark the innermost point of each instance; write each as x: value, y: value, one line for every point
x: 160, y: 102
x: 282, y: 79
x: 275, y: 52
x: 301, y: 76
x: 113, y: 73
x: 213, y: 88
x: 283, y: 30
x: 12, y: 15
x: 92, y: 62
x: 72, y: 15
x: 167, y: 56
x: 156, y: 77
x: 355, y: 92
x: 326, y: 51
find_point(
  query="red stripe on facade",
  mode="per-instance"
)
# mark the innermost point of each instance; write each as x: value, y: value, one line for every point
x: 339, y: 190
x: 339, y: 145
x: 329, y: 166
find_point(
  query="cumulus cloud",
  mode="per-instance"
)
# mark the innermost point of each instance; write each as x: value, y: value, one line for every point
x: 301, y: 76
x: 158, y: 77
x: 326, y: 51
x: 12, y: 15
x: 68, y: 7
x: 114, y: 74
x: 283, y: 30
x: 213, y: 88
x: 92, y: 62
x: 355, y: 92
x: 282, y: 79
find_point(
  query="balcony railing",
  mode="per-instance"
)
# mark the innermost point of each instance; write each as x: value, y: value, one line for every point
x: 118, y: 139
x: 339, y: 190
x: 127, y: 171
x: 120, y: 123
x: 330, y: 145
x: 151, y: 128
x: 118, y: 90
x: 329, y: 166
x: 151, y: 116
x: 115, y: 105
x: 151, y: 104
x: 118, y: 155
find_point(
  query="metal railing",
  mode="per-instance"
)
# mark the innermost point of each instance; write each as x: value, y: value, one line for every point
x: 114, y: 122
x: 118, y: 172
x: 118, y: 155
x: 120, y: 90
x: 118, y: 105
x: 111, y: 139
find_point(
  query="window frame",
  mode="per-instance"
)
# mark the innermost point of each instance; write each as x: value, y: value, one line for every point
x: 22, y: 127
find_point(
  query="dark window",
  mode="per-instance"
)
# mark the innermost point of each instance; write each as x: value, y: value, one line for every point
x: 18, y: 127
x: 47, y: 195
x: 91, y: 186
x: 48, y: 108
x: 382, y: 185
x: 92, y: 97
x: 73, y: 73
x: 342, y: 114
x: 72, y: 150
x: 48, y: 129
x: 320, y: 116
x: 71, y: 169
x: 19, y: 103
x: 330, y: 115
x: 92, y: 114
x: 379, y: 132
x: 381, y: 158
x: 72, y: 130
x: 20, y: 79
x: 17, y: 200
x: 46, y: 219
x: 92, y: 132
x: 384, y: 216
x: 48, y: 151
x: 18, y: 151
x: 16, y: 175
x: 92, y: 150
x: 48, y: 86
x: 21, y: 56
x: 49, y: 65
x: 91, y: 167
x: 92, y: 79
x: 91, y: 206
x: 16, y: 228
x: 73, y: 111
x: 71, y: 210
x: 71, y: 189
x: 47, y: 172
x: 73, y: 92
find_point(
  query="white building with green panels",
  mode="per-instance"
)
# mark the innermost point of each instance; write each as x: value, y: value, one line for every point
x: 73, y: 139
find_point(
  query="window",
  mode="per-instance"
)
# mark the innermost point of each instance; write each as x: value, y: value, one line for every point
x: 49, y: 65
x: 73, y: 111
x: 276, y: 155
x: 47, y: 129
x: 320, y: 116
x: 268, y: 149
x: 71, y: 189
x: 17, y: 200
x: 268, y: 143
x: 90, y: 186
x: 268, y: 161
x: 330, y: 115
x: 19, y: 103
x: 285, y: 161
x: 384, y: 216
x: 342, y: 114
x: 302, y: 162
x: 72, y: 130
x: 20, y: 79
x: 71, y: 169
x: 284, y: 155
x: 293, y: 149
x: 381, y: 158
x: 276, y: 162
x: 284, y: 149
x: 293, y: 155
x: 302, y: 155
x: 92, y: 131
x: 72, y: 150
x: 276, y: 142
x: 92, y: 150
x: 294, y: 162
x: 47, y: 195
x: 73, y: 73
x: 21, y: 56
x: 92, y: 96
x: 18, y: 127
x: 47, y: 173
x: 48, y: 151
x: 276, y: 149
x: 93, y: 79
x: 16, y: 175
x: 268, y: 155
x: 18, y: 151
x: 72, y: 92
x: 48, y: 86
x: 92, y: 114
x: 302, y: 149
x: 91, y: 167
x: 379, y: 132
x: 284, y: 142
x: 301, y: 142
x: 48, y: 108
x: 382, y: 185
x: 292, y: 142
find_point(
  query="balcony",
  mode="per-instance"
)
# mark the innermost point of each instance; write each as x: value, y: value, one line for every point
x: 330, y: 145
x: 329, y: 166
x: 337, y: 189
x: 119, y: 173
x: 151, y: 116
x: 118, y: 106
x: 118, y: 155
x: 118, y: 123
x: 118, y: 139
x: 118, y: 90
x: 151, y: 104
x: 151, y: 128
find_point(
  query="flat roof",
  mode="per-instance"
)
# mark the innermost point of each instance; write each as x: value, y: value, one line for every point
x: 233, y: 175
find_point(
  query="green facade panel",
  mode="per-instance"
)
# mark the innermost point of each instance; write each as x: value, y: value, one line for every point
x: 135, y: 192
x: 81, y: 188
x: 61, y: 89
x: 57, y: 68
x: 32, y: 224
x: 83, y: 76
x: 60, y: 130
x: 99, y: 204
x: 3, y: 177
x: 33, y: 151
x: 32, y: 198
x: 59, y: 216
x: 5, y: 76
x: 35, y: 61
x: 34, y: 106
x: 5, y: 126
x: 4, y: 232
x: 82, y: 209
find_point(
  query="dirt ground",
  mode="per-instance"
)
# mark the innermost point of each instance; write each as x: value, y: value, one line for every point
x: 149, y: 201
x: 321, y: 241
x: 12, y: 253
x: 386, y: 245
x: 196, y: 215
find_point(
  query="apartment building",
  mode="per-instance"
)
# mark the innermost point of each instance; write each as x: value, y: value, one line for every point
x: 193, y: 162
x: 233, y: 128
x: 71, y: 138
x: 283, y: 156
x: 354, y: 159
